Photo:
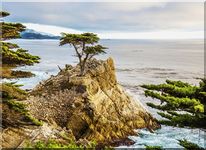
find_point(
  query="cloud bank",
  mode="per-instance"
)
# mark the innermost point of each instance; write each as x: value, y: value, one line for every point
x: 165, y: 34
x: 110, y: 20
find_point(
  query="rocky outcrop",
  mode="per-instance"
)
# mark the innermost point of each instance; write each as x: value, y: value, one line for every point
x: 23, y: 136
x: 93, y: 107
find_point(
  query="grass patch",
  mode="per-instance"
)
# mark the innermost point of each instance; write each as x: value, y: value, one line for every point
x: 71, y: 144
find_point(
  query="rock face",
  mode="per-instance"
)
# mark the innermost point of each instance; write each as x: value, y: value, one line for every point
x: 20, y: 137
x: 93, y: 107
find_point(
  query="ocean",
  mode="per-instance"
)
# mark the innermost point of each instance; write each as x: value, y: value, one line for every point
x: 137, y: 62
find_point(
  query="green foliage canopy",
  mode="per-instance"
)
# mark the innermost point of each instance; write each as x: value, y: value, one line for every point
x: 182, y: 102
x: 181, y: 105
x: 84, y: 46
x: 11, y: 57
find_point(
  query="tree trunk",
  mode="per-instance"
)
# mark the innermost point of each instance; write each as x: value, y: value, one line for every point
x: 81, y: 69
x: 80, y: 60
x: 82, y: 66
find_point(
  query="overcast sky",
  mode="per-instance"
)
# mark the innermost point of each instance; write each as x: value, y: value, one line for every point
x: 112, y: 20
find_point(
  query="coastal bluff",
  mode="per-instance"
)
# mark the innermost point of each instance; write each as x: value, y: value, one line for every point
x: 92, y: 107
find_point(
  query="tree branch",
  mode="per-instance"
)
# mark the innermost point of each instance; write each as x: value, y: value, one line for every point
x: 76, y: 49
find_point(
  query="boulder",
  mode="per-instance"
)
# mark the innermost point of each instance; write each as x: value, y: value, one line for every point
x: 93, y: 106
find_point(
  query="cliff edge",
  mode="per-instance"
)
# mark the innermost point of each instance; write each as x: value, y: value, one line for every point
x: 93, y: 107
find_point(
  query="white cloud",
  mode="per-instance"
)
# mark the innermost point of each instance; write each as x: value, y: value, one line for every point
x: 163, y: 34
x: 128, y: 17
x: 131, y: 7
x: 55, y: 30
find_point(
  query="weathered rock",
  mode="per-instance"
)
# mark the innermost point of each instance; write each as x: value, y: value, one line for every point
x: 20, y: 137
x: 94, y: 106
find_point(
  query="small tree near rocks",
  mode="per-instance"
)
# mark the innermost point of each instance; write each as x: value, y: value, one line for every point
x: 84, y: 46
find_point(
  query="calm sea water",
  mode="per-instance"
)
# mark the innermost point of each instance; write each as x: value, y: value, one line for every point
x: 137, y: 62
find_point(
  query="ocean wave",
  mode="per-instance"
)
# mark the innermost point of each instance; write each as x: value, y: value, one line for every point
x: 157, y: 73
x: 146, y: 69
x: 167, y: 137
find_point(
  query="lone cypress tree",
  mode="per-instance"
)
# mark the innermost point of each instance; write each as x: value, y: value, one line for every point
x: 84, y: 47
x: 181, y: 105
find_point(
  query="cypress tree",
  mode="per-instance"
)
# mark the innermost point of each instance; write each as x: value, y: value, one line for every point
x: 181, y: 104
x: 12, y: 54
